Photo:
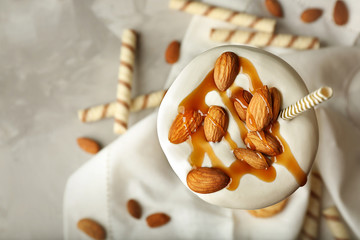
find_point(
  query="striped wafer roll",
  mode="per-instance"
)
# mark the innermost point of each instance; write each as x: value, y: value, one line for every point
x: 310, y: 229
x: 263, y: 39
x: 306, y: 103
x: 234, y: 17
x: 107, y: 110
x: 125, y: 78
x: 336, y: 224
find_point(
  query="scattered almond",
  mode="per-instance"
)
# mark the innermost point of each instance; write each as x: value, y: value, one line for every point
x: 254, y: 159
x: 134, y: 208
x: 259, y: 112
x: 341, y: 13
x: 157, y: 220
x: 92, y: 228
x: 269, y: 211
x: 184, y: 125
x: 172, y: 52
x: 276, y: 103
x: 263, y: 142
x: 241, y: 103
x: 88, y: 145
x: 226, y: 69
x: 311, y: 15
x: 274, y: 8
x: 215, y: 124
x: 207, y: 180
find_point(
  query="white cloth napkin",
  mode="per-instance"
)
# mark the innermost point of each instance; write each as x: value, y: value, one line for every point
x: 134, y: 166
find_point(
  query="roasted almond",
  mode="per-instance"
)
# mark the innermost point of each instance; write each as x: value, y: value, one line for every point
x: 92, y: 228
x: 276, y: 103
x: 263, y: 142
x: 259, y: 112
x: 311, y: 15
x: 226, y: 69
x: 172, y: 52
x: 184, y: 125
x: 341, y: 13
x: 157, y: 219
x: 134, y: 208
x: 274, y: 8
x: 253, y: 158
x: 215, y: 124
x: 207, y: 180
x: 88, y: 145
x: 241, y: 103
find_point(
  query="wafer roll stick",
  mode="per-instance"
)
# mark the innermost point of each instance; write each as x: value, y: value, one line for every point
x: 263, y: 39
x: 227, y: 15
x: 336, y: 224
x: 125, y: 78
x: 310, y: 229
x: 306, y: 103
x: 107, y: 110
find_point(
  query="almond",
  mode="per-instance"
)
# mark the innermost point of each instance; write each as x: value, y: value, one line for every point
x: 92, y: 228
x: 226, y: 69
x: 253, y: 158
x: 276, y: 103
x: 172, y: 52
x: 184, y: 125
x: 241, y: 103
x: 215, y: 124
x: 341, y: 13
x: 88, y: 145
x: 207, y: 180
x: 263, y: 142
x: 134, y: 208
x: 157, y: 220
x: 311, y: 15
x: 259, y: 112
x: 274, y: 8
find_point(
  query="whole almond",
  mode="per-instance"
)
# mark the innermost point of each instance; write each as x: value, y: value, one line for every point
x: 157, y: 220
x: 274, y: 8
x: 88, y: 145
x: 263, y: 142
x: 184, y: 125
x: 259, y: 112
x: 253, y: 158
x: 92, y: 228
x: 341, y: 13
x: 226, y: 69
x: 311, y: 15
x: 215, y: 124
x: 276, y: 103
x: 207, y: 180
x: 172, y: 52
x: 134, y: 208
x: 241, y: 103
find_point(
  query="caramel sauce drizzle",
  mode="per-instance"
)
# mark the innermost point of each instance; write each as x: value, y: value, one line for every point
x: 196, y: 101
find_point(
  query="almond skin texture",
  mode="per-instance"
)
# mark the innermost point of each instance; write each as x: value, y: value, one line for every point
x: 184, y: 125
x: 92, y: 229
x: 226, y: 69
x: 274, y: 8
x: 311, y: 15
x: 157, y: 220
x: 207, y: 180
x: 269, y: 211
x: 276, y: 103
x: 263, y: 142
x: 134, y: 208
x: 259, y: 112
x: 215, y: 124
x: 172, y: 52
x: 341, y: 13
x: 254, y: 159
x: 241, y: 103
x: 88, y: 145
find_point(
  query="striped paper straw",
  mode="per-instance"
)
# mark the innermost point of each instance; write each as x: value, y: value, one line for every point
x: 336, y: 224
